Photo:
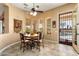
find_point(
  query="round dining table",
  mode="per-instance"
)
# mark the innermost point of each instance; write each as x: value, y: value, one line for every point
x: 32, y: 38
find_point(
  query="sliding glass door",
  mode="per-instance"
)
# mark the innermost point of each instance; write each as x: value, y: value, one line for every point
x: 65, y: 28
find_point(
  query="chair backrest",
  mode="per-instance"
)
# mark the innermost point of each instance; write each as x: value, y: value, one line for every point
x: 40, y: 35
x: 21, y: 36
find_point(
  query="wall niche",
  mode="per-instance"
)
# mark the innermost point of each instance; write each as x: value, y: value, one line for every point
x: 4, y: 19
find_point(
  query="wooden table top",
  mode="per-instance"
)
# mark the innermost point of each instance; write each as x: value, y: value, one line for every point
x: 31, y: 37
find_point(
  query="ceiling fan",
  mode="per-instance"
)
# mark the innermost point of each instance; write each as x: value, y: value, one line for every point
x: 34, y: 9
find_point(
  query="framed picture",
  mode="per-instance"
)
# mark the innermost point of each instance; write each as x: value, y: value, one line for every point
x: 17, y: 25
x: 53, y: 24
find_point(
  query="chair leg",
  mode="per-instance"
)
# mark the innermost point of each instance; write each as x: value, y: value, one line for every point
x: 23, y: 49
x: 38, y: 46
x: 27, y: 45
x: 43, y: 44
x: 20, y: 46
x: 24, y: 46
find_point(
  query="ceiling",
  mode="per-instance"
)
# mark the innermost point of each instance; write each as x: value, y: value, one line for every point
x: 42, y: 6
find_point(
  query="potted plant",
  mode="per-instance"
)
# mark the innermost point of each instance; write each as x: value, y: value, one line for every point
x: 28, y: 30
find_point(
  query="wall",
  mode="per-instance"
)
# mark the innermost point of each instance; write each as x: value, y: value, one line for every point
x: 78, y: 26
x: 1, y: 12
x: 76, y: 47
x: 54, y: 15
x: 6, y: 19
x: 11, y: 37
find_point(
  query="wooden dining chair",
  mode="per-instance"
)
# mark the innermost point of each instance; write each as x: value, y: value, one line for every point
x: 24, y: 42
x: 39, y: 40
x: 42, y: 40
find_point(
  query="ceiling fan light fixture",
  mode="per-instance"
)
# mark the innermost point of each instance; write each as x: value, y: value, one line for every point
x: 35, y: 13
x: 31, y: 13
x: 36, y: 8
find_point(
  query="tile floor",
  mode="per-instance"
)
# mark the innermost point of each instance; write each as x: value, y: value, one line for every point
x: 50, y: 49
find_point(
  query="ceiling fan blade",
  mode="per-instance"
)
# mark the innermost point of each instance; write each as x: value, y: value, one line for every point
x: 25, y: 4
x: 33, y: 9
x: 39, y: 11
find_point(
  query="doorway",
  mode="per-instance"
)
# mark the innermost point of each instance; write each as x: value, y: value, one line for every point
x: 65, y: 28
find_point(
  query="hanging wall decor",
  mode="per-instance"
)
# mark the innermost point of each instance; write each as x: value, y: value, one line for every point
x: 53, y: 24
x: 17, y: 25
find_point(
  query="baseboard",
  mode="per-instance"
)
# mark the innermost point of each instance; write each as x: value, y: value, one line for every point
x: 53, y: 42
x: 8, y: 47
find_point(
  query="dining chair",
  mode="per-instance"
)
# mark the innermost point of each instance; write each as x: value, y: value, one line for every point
x: 29, y: 42
x: 41, y: 38
x: 39, y: 41
x: 24, y: 43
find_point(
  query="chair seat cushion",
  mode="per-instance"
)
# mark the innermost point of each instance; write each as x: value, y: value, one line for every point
x: 26, y: 40
x: 39, y: 40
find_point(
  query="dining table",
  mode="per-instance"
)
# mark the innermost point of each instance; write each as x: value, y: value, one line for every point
x: 32, y: 38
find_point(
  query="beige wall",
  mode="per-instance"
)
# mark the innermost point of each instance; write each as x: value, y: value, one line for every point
x: 54, y: 15
x: 76, y: 47
x: 6, y: 19
x: 78, y: 25
x: 11, y: 37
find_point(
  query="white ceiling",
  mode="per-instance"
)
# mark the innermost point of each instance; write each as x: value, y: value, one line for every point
x: 42, y: 6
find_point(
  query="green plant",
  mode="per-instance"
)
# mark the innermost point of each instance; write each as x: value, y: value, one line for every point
x: 28, y: 30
